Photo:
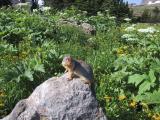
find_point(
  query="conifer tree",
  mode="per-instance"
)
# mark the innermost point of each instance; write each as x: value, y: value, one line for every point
x: 118, y: 8
x: 5, y: 3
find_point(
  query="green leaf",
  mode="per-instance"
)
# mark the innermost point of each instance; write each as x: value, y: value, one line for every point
x: 154, y: 97
x: 39, y: 68
x: 29, y: 75
x: 136, y: 79
x: 156, y: 65
x: 146, y: 85
x: 150, y: 98
x: 18, y: 79
x: 152, y: 76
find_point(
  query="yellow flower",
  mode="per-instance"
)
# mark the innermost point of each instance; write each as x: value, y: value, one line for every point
x: 149, y: 115
x: 120, y: 51
x: 121, y: 97
x: 156, y: 117
x: 2, y: 94
x: 24, y: 53
x: 133, y: 104
x: 108, y: 98
x: 145, y: 106
x: 1, y: 105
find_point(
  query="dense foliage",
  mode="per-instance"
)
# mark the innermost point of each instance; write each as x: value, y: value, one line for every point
x: 119, y: 8
x: 125, y: 60
x: 5, y: 3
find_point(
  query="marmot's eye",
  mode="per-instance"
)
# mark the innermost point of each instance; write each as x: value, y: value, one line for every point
x: 68, y: 59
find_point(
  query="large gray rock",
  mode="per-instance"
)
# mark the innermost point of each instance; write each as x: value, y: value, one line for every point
x: 59, y: 99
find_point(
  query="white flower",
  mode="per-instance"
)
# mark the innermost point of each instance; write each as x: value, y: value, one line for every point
x: 112, y: 17
x: 99, y: 13
x: 106, y: 10
x: 148, y: 30
x: 84, y: 12
x: 35, y: 10
x: 127, y: 19
x: 129, y: 38
x: 46, y: 8
x: 129, y: 29
x: 78, y: 15
x: 126, y: 36
x: 132, y: 39
x: 62, y: 14
x: 133, y: 25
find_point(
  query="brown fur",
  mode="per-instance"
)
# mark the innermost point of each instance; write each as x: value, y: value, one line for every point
x: 78, y: 68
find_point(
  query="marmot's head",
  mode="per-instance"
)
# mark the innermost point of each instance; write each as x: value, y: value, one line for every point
x: 67, y: 61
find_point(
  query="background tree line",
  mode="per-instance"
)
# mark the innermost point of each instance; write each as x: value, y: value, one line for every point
x: 5, y: 3
x: 118, y: 8
x: 151, y: 16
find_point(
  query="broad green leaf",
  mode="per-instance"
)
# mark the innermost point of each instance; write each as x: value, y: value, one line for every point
x: 154, y: 97
x: 18, y: 79
x: 29, y: 75
x: 152, y: 76
x: 150, y: 98
x: 146, y: 85
x: 136, y: 79
x: 39, y: 67
x: 156, y: 65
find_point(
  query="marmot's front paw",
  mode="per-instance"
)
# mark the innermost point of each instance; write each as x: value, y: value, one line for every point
x: 87, y: 82
x: 69, y: 78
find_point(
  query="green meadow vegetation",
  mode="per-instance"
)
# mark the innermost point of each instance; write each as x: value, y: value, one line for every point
x: 125, y: 59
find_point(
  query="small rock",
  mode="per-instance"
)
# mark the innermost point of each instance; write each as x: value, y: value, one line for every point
x: 88, y: 28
